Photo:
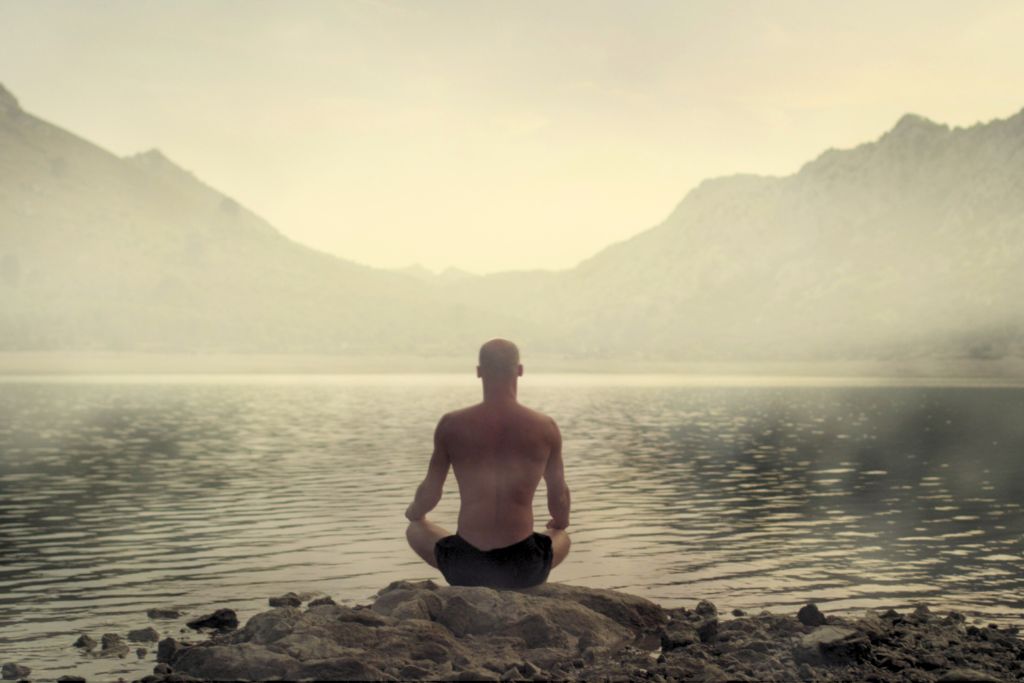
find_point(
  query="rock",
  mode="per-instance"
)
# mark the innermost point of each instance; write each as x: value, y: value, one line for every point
x: 930, y: 662
x: 922, y: 613
x: 85, y: 642
x: 12, y: 671
x: 242, y: 661
x: 831, y: 643
x: 528, y: 669
x: 431, y: 652
x: 537, y: 630
x: 141, y: 652
x: 322, y: 601
x: 167, y: 650
x: 341, y: 669
x: 471, y: 675
x: 286, y: 600
x: 738, y: 612
x: 635, y: 613
x: 711, y: 674
x: 70, y: 679
x: 706, y: 609
x: 678, y: 635
x: 708, y: 631
x: 872, y: 626
x: 162, y: 669
x: 144, y: 635
x: 464, y: 616
x: 112, y: 645
x: 967, y: 676
x: 162, y: 613
x: 221, y: 620
x: 810, y: 615
x: 413, y: 672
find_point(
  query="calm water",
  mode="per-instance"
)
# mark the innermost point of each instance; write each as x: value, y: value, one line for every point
x: 120, y: 495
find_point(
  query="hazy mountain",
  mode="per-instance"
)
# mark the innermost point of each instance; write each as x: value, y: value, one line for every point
x: 99, y: 252
x: 909, y: 246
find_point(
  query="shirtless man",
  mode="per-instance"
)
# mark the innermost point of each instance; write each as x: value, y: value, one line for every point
x: 499, y: 450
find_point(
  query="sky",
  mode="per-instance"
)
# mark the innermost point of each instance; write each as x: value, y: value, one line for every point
x: 493, y: 136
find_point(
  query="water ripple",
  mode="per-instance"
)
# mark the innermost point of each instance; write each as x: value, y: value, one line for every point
x: 119, y: 496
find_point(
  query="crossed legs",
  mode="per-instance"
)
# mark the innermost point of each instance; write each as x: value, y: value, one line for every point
x: 560, y: 544
x: 424, y: 534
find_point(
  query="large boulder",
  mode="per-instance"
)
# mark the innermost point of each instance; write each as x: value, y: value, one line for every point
x: 425, y: 631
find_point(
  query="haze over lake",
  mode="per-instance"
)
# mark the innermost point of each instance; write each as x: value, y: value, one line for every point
x: 119, y: 494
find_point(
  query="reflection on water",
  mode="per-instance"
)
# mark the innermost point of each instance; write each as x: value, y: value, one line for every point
x: 116, y: 497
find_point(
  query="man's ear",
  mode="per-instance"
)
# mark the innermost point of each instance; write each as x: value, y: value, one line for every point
x: 519, y: 371
x: 478, y: 371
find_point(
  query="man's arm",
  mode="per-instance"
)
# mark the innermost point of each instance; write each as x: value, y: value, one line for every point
x: 428, y: 494
x: 558, y: 490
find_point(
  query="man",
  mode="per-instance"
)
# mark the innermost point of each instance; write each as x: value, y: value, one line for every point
x: 499, y: 450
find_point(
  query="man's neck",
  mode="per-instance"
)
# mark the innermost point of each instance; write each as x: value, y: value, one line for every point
x: 500, y: 392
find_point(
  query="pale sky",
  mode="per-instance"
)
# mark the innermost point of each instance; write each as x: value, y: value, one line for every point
x: 497, y: 135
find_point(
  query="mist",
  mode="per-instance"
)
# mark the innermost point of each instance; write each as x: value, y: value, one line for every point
x: 905, y: 249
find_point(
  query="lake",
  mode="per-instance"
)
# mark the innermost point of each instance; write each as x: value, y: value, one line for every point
x: 118, y: 494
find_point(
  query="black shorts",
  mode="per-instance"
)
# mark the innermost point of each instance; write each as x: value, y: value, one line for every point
x: 520, y: 565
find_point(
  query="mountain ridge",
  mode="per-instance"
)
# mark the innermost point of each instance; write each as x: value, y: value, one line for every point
x: 909, y: 245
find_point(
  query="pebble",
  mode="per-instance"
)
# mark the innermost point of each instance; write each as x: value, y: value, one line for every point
x: 85, y: 641
x: 810, y: 615
x: 12, y: 671
x: 144, y: 635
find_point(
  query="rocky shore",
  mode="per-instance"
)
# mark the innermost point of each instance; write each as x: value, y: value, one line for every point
x: 415, y: 631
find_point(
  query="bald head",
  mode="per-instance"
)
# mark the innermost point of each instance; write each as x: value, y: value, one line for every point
x: 499, y: 359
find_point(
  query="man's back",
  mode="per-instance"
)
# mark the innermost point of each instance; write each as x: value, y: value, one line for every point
x: 499, y: 452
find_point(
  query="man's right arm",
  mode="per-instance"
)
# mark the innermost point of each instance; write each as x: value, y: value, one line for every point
x: 554, y: 478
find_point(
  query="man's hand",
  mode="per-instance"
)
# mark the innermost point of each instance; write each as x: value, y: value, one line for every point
x: 412, y: 514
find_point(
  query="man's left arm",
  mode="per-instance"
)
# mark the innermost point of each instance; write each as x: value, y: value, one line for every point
x: 428, y: 494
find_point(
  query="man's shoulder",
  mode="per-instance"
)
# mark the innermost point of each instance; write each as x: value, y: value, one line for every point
x: 539, y: 417
x: 454, y: 418
x: 460, y: 413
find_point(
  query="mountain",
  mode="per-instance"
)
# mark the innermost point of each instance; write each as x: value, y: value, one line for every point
x: 910, y: 246
x: 103, y: 253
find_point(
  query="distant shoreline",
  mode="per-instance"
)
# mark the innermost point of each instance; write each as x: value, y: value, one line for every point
x: 1008, y: 371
